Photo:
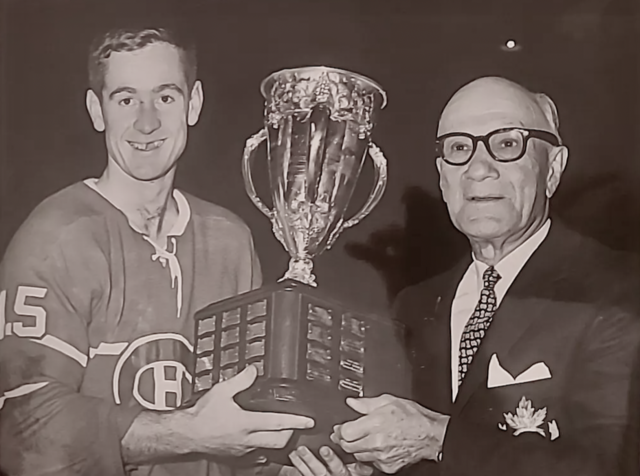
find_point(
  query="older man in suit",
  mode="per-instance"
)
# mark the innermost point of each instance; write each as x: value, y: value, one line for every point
x: 525, y: 355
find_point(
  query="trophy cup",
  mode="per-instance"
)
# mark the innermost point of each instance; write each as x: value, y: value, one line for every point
x: 311, y: 351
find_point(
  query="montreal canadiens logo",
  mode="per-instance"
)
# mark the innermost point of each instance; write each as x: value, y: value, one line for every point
x: 152, y: 370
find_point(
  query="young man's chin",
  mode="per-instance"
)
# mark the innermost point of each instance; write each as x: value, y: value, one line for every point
x: 148, y: 175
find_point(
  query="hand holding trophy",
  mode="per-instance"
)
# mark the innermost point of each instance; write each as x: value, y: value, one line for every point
x: 311, y: 351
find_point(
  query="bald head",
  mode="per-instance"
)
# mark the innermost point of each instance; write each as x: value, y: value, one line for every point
x: 492, y: 102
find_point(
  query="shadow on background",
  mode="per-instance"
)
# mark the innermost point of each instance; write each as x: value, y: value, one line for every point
x: 425, y: 246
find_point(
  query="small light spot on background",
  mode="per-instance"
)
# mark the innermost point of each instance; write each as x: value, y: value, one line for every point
x: 511, y: 45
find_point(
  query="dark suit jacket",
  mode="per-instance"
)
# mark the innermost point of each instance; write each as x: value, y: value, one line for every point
x: 574, y: 307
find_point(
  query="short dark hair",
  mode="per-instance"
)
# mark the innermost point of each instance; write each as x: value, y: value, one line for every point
x: 132, y: 39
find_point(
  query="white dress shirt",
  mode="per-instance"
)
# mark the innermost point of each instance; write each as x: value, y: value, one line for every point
x: 468, y: 292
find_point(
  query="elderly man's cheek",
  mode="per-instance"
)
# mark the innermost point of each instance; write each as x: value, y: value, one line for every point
x: 453, y: 197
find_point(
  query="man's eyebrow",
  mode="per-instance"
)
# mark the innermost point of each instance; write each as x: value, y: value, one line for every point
x: 157, y: 89
x: 121, y: 89
x: 170, y: 86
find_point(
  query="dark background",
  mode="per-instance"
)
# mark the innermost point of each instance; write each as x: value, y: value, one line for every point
x: 583, y: 53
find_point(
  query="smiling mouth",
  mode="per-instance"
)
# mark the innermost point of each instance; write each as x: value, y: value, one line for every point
x: 146, y: 146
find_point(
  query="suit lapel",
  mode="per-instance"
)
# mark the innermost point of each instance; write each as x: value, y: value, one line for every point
x: 510, y: 322
x: 527, y: 299
x: 432, y: 382
x: 442, y: 314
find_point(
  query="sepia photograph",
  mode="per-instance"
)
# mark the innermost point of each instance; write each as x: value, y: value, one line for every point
x: 319, y: 238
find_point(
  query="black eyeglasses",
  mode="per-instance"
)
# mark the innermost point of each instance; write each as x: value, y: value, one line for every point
x: 504, y: 145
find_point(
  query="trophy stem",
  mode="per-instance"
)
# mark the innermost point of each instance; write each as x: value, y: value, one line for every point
x: 300, y: 270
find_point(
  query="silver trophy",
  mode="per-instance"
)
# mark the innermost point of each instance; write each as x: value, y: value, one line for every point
x: 310, y: 350
x: 318, y: 124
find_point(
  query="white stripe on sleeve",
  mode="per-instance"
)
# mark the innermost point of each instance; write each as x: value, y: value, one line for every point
x: 108, y: 348
x: 61, y: 346
x: 21, y: 390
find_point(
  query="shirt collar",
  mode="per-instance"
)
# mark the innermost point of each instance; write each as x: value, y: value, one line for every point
x: 509, y: 266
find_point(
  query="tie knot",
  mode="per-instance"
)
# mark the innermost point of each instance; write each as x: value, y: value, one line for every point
x: 490, y: 277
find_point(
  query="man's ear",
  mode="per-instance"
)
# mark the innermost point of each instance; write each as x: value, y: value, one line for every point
x: 557, y: 162
x: 95, y: 110
x: 196, y: 100
x: 439, y: 163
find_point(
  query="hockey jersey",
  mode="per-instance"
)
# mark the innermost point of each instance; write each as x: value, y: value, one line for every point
x: 96, y: 324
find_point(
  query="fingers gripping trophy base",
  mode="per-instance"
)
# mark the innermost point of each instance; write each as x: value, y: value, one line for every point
x: 312, y: 353
x: 326, y: 408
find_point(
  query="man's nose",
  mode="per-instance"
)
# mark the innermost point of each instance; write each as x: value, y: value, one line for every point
x: 482, y: 165
x: 148, y: 120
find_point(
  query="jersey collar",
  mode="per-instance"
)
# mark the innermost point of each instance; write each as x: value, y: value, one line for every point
x: 184, y: 210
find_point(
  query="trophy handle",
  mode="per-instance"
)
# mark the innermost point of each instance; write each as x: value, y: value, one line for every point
x: 380, y: 184
x: 250, y: 145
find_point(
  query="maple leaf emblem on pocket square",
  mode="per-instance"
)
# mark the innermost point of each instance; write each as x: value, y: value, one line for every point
x: 526, y: 419
x: 499, y: 377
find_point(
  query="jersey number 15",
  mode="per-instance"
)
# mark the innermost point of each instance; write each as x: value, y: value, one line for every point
x: 37, y: 315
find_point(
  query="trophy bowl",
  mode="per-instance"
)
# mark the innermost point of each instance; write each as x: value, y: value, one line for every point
x: 318, y: 124
x: 311, y: 351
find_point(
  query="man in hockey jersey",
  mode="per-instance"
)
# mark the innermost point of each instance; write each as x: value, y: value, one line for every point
x: 99, y: 286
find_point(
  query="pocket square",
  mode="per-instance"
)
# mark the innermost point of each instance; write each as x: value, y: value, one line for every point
x: 499, y: 377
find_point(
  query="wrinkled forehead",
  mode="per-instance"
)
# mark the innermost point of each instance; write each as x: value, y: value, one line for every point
x: 491, y: 103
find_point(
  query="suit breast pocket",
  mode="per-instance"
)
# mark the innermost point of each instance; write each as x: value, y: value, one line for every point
x: 534, y: 383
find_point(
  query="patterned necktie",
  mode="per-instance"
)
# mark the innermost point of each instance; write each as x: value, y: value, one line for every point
x: 478, y: 323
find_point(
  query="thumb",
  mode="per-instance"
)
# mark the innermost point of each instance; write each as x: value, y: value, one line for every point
x: 239, y: 382
x: 364, y: 406
x: 361, y: 469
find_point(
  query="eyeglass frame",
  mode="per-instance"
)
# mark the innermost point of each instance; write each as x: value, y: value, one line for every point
x: 546, y: 136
